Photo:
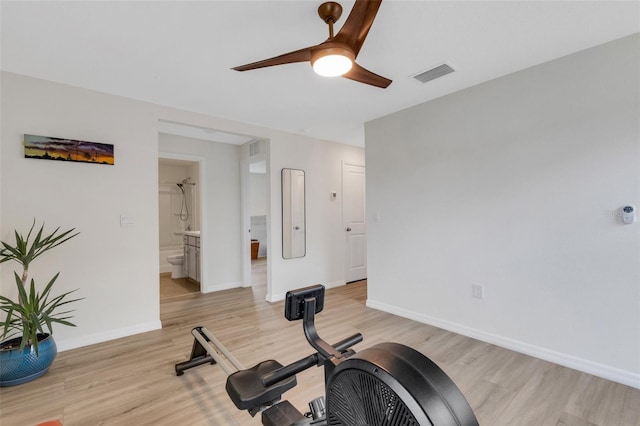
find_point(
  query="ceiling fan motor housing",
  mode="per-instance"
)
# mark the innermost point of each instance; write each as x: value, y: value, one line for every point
x: 390, y: 384
x: 330, y: 48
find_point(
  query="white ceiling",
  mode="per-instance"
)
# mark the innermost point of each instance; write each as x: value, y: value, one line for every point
x: 179, y: 53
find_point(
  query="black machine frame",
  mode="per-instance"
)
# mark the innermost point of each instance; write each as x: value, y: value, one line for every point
x: 399, y: 377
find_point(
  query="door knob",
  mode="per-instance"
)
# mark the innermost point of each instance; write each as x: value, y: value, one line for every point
x: 296, y: 228
x: 348, y: 229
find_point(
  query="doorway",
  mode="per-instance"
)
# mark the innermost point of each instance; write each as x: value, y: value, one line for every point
x: 223, y: 204
x: 180, y: 213
x: 257, y: 196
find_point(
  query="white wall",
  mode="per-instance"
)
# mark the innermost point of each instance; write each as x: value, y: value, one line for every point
x: 116, y: 268
x: 171, y: 206
x: 221, y: 246
x: 322, y: 164
x: 516, y: 184
x: 193, y: 172
x: 257, y: 194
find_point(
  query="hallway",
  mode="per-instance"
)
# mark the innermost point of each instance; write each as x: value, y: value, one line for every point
x: 184, y: 287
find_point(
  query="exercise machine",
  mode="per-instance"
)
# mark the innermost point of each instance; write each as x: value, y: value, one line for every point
x: 388, y: 384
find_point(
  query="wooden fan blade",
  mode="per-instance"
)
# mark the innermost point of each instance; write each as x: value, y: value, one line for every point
x: 362, y: 75
x: 301, y: 55
x: 357, y: 26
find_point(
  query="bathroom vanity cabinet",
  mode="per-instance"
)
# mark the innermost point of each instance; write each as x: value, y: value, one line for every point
x: 192, y: 257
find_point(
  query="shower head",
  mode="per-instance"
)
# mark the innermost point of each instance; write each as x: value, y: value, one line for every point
x: 180, y: 186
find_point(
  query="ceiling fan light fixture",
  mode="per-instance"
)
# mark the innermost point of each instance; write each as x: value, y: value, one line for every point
x: 336, y: 56
x: 332, y: 62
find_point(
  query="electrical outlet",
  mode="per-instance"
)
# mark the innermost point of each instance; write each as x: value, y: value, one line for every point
x: 478, y: 291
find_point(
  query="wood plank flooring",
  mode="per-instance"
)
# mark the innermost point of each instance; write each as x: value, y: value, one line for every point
x: 171, y: 288
x: 131, y: 381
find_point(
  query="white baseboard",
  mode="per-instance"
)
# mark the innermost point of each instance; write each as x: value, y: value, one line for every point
x: 335, y: 284
x: 78, y: 342
x: 218, y: 287
x: 614, y: 374
x: 280, y: 296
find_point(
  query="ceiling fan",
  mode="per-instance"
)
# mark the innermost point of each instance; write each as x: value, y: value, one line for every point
x: 336, y: 55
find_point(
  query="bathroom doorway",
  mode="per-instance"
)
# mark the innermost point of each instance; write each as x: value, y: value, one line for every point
x: 179, y: 207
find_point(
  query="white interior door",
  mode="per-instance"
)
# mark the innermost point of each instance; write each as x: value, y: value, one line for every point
x: 354, y: 221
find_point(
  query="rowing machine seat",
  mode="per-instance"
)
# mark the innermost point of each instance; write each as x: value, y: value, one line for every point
x: 247, y: 391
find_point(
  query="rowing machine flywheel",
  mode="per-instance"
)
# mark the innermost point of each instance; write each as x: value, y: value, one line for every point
x: 394, y: 385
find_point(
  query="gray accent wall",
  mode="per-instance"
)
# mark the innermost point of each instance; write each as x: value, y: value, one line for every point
x: 517, y: 184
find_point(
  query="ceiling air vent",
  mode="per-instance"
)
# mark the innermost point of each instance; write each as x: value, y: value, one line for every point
x: 255, y: 148
x: 433, y: 73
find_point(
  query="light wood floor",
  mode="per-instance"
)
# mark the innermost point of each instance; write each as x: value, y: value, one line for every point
x: 131, y: 381
x: 171, y: 288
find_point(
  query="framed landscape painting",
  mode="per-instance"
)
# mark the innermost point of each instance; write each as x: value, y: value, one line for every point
x: 49, y: 148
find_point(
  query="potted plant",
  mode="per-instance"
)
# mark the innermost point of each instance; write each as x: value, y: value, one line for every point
x: 27, y: 348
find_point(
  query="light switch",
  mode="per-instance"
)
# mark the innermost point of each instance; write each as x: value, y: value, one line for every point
x: 126, y: 221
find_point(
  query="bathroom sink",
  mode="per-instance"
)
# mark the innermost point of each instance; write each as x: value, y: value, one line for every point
x: 192, y: 233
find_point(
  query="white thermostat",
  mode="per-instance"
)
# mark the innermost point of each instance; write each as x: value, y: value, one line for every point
x: 628, y: 214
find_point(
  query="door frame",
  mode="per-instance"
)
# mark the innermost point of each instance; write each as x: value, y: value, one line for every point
x: 246, y: 221
x: 245, y: 192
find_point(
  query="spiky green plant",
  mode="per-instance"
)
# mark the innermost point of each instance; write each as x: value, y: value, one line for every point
x: 33, y: 310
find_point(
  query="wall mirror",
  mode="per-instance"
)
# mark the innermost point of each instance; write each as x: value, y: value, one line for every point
x: 293, y: 215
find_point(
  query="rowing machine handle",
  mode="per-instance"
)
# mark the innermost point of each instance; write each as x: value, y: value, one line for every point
x: 296, y: 367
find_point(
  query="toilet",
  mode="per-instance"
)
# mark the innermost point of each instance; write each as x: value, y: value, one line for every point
x: 176, y: 261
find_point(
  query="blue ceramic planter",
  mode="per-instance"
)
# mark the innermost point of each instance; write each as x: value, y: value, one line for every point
x: 21, y: 366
